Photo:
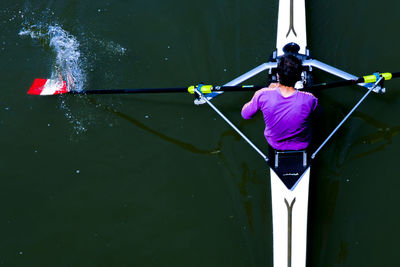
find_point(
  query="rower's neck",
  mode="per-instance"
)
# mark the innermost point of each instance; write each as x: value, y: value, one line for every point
x: 286, y: 90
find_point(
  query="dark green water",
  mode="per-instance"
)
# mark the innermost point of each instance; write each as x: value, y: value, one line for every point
x: 152, y: 180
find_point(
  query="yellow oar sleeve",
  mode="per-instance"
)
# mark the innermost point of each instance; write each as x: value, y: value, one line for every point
x: 205, y: 89
x: 373, y: 78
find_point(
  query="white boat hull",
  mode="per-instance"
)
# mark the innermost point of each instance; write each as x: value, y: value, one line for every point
x: 291, y: 25
x: 289, y: 219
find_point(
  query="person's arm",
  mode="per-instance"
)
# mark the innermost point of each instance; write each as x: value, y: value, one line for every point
x: 251, y: 108
x: 317, y: 110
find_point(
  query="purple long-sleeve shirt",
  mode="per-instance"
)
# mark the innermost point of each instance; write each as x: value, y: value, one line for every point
x: 287, y: 119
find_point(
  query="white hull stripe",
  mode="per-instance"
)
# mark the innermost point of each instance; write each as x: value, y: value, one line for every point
x: 289, y: 220
x: 291, y: 25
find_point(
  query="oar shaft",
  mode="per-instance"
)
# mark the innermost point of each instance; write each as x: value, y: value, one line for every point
x: 236, y: 88
x: 162, y: 90
x: 333, y: 84
x: 355, y: 81
x: 130, y: 91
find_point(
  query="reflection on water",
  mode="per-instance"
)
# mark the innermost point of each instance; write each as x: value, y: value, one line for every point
x: 375, y: 142
x: 326, y: 206
x: 186, y: 146
x: 248, y: 176
x: 343, y: 252
x: 368, y: 144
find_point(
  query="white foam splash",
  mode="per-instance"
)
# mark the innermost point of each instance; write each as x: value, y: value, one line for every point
x: 68, y: 60
x: 112, y: 47
x: 77, y: 124
x: 68, y: 63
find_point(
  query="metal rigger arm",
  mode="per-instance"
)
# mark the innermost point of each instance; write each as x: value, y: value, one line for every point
x: 371, y: 82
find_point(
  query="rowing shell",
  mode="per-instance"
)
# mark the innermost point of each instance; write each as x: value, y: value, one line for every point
x: 289, y: 220
x: 289, y: 188
x: 291, y: 25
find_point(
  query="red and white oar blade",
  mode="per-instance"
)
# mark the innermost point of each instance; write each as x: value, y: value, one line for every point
x: 48, y: 87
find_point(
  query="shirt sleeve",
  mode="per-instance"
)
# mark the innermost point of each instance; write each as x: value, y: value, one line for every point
x: 315, y: 104
x: 317, y: 109
x: 251, y: 108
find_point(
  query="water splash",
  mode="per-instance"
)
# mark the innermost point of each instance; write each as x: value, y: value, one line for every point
x: 111, y: 47
x: 79, y: 125
x: 68, y: 63
x: 74, y: 57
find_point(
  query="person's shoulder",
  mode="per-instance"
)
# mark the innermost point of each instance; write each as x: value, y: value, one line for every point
x: 307, y: 94
x: 271, y: 88
x: 309, y: 98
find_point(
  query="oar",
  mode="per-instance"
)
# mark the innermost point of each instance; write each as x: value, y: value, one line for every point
x: 371, y: 79
x: 54, y: 87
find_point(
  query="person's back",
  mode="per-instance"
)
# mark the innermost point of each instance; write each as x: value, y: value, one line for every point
x: 286, y: 111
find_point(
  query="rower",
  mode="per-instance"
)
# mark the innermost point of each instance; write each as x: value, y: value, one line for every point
x: 287, y: 116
